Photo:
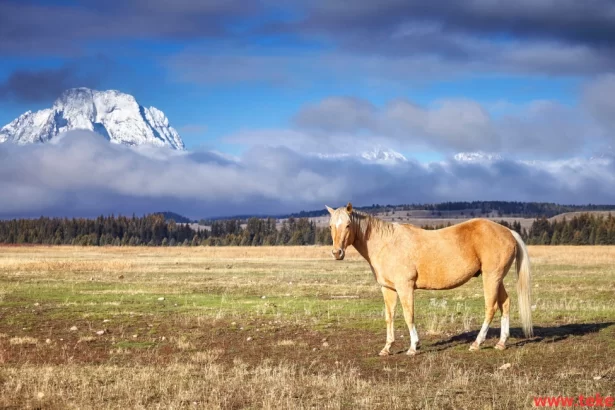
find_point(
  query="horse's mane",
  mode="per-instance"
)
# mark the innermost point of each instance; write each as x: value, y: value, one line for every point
x: 368, y: 225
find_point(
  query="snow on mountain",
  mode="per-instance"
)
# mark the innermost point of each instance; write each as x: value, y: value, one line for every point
x: 377, y: 155
x: 478, y: 157
x: 112, y: 114
x: 385, y: 155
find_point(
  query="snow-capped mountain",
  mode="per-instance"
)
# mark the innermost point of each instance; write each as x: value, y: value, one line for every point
x: 378, y: 155
x: 112, y: 114
x: 477, y: 157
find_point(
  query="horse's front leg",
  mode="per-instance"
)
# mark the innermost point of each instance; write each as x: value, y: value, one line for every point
x: 406, y: 295
x: 390, y: 301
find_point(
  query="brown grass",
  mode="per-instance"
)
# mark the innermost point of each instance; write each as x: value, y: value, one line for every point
x: 284, y: 327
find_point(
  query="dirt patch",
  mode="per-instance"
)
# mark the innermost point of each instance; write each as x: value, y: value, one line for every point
x: 147, y: 341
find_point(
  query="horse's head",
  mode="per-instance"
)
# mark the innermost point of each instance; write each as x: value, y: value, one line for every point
x: 341, y: 230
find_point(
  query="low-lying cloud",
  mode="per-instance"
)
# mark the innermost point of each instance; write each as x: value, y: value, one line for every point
x: 539, y: 129
x: 83, y: 175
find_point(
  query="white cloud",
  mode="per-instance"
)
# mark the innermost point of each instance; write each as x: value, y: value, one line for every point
x: 84, y: 175
x: 538, y: 129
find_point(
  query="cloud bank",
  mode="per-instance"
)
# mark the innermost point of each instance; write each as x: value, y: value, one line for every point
x: 537, y: 129
x: 83, y: 175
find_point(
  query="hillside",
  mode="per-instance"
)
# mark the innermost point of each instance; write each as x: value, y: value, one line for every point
x: 570, y: 215
x: 168, y: 216
x: 442, y: 213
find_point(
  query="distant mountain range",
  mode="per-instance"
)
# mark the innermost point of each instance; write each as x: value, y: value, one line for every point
x: 478, y: 157
x: 376, y: 155
x: 116, y: 116
x: 502, y: 208
x: 175, y: 217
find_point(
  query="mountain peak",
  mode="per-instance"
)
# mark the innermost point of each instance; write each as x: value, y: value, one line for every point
x: 478, y: 157
x: 115, y: 115
x: 378, y: 155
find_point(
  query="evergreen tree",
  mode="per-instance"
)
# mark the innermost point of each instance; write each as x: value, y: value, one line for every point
x: 602, y: 236
x: 592, y: 236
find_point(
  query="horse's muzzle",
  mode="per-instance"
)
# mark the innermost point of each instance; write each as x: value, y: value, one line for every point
x: 338, y: 254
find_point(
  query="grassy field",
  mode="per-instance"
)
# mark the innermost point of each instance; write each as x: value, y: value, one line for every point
x: 285, y: 328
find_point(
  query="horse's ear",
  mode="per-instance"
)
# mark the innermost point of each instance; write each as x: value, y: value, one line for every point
x: 331, y: 210
x: 349, y: 208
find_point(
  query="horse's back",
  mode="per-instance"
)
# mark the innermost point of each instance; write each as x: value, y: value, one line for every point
x: 450, y: 256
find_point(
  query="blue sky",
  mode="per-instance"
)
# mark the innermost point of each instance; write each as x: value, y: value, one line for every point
x: 259, y: 65
x: 527, y: 80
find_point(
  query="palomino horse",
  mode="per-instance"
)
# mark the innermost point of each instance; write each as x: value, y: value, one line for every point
x: 404, y: 257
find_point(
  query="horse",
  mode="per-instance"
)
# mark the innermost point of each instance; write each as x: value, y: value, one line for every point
x: 404, y: 258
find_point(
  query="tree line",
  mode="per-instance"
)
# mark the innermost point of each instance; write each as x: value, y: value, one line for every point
x: 582, y: 229
x: 155, y: 230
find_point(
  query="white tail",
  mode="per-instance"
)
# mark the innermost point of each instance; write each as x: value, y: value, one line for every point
x: 524, y: 286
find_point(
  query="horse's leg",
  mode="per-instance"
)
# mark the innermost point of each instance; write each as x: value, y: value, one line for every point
x: 406, y: 296
x: 390, y: 301
x: 491, y: 285
x: 504, y: 305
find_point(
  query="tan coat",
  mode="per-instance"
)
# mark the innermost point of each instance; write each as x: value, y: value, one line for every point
x: 404, y: 257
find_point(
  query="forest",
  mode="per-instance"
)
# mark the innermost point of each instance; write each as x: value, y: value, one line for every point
x: 156, y: 230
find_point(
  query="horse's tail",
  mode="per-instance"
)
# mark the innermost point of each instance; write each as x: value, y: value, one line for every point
x: 524, y: 286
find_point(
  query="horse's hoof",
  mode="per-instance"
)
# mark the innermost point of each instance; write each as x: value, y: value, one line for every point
x: 500, y: 346
x: 474, y: 346
x: 384, y: 352
x: 411, y: 352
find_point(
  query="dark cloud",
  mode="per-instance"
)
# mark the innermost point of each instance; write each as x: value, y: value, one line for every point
x: 565, y: 37
x: 394, y: 38
x: 82, y: 174
x: 35, y: 27
x: 598, y: 97
x: 378, y: 67
x: 572, y: 21
x: 47, y: 84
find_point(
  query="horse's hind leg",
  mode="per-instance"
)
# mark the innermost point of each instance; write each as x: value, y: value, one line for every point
x: 390, y: 301
x: 491, y: 284
x: 406, y: 296
x: 504, y: 305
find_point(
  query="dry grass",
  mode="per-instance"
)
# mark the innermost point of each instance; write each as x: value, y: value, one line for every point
x: 578, y: 256
x: 284, y: 327
x: 26, y: 340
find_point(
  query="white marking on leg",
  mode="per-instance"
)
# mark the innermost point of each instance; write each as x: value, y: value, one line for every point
x: 482, y: 335
x: 414, y: 338
x: 505, y: 330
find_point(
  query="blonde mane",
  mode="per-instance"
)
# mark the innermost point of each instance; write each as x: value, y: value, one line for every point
x: 366, y: 225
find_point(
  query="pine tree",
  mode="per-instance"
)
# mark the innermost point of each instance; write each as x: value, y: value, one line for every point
x: 544, y: 239
x: 602, y: 236
x: 592, y: 237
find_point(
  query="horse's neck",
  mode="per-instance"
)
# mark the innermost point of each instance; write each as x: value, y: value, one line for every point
x: 368, y: 247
